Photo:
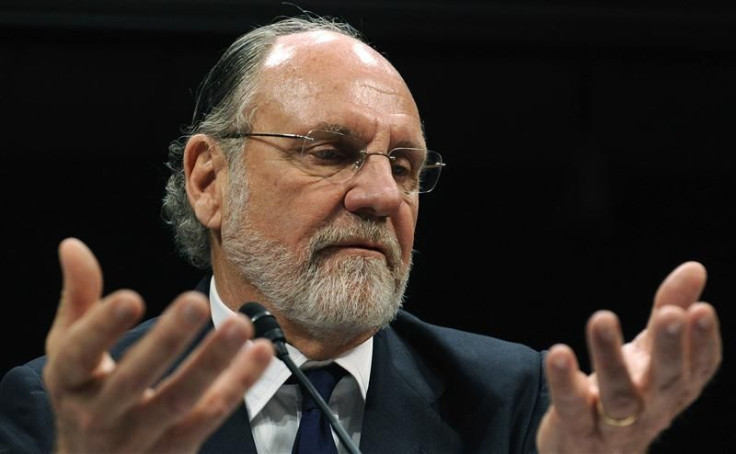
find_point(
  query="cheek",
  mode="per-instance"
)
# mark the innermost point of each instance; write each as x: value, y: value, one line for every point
x: 265, y: 204
x: 405, y: 226
x: 289, y: 212
x: 273, y: 215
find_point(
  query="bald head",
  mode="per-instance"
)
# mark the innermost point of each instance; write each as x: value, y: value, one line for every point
x: 317, y: 44
x: 330, y: 71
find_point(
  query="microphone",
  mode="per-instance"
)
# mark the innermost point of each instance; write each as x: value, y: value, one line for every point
x: 266, y: 325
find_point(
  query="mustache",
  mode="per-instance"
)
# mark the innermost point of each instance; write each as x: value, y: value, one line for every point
x: 359, y: 230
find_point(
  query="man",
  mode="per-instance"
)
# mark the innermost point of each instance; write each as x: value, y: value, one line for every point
x: 298, y: 185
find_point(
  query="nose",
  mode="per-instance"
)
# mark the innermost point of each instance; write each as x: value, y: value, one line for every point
x: 373, y: 189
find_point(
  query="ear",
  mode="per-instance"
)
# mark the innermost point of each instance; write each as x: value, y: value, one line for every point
x: 205, y: 170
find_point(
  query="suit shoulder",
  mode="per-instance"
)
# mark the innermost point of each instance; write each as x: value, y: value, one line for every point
x: 493, y: 390
x: 459, y: 349
x: 25, y: 412
x: 411, y: 325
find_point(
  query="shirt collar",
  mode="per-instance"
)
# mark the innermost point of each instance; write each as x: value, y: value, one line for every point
x: 357, y: 362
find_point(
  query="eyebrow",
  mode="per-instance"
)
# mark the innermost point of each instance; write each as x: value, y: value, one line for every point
x: 336, y: 127
x: 342, y: 129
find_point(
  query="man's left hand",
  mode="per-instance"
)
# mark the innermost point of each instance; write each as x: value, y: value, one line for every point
x: 637, y: 389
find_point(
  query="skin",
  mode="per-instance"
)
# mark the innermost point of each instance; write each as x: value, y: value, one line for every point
x: 321, y: 78
x: 103, y: 406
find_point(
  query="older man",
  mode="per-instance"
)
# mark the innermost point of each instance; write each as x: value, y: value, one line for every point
x: 298, y: 185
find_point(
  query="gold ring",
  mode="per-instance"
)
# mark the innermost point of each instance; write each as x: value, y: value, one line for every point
x: 623, y: 422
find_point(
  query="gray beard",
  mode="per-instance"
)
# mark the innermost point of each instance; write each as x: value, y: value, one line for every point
x: 332, y: 297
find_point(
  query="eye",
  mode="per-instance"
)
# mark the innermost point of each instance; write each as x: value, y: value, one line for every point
x: 328, y: 153
x: 406, y: 162
x: 401, y: 168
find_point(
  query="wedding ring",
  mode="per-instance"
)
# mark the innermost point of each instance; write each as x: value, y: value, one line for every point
x: 623, y: 422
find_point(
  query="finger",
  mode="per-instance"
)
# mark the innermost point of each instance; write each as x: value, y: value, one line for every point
x: 180, y: 393
x: 569, y: 390
x: 78, y: 355
x: 667, y: 371
x: 682, y: 287
x: 618, y: 394
x: 145, y: 362
x: 706, y: 350
x: 81, y: 285
x: 220, y: 400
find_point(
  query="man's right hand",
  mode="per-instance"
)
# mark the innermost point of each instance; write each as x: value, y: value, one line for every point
x: 104, y: 406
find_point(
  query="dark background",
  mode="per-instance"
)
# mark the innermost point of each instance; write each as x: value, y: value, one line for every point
x: 590, y: 149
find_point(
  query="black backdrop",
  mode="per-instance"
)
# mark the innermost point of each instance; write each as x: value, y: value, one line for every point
x: 590, y: 150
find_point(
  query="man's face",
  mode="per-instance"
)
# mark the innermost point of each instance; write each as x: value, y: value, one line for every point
x: 360, y: 229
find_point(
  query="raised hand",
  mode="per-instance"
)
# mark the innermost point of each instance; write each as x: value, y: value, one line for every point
x: 129, y: 406
x: 637, y: 389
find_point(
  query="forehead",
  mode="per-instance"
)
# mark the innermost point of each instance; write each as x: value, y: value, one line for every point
x: 328, y: 77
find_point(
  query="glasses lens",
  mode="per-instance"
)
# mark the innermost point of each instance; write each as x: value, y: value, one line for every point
x: 430, y: 172
x: 415, y: 169
x: 325, y: 153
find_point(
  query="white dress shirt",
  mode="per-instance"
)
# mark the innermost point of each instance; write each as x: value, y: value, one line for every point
x: 274, y: 408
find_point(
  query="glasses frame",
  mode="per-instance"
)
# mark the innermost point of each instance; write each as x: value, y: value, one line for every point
x: 364, y: 154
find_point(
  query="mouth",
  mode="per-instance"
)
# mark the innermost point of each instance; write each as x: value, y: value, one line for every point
x: 357, y: 247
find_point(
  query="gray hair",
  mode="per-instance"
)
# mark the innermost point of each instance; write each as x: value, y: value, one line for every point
x: 224, y: 105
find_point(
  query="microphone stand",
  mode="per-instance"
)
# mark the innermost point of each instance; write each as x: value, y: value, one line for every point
x: 266, y: 326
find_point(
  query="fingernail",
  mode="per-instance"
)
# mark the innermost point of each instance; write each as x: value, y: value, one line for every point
x: 704, y: 323
x: 247, y: 344
x: 674, y: 328
x: 123, y: 310
x: 607, y: 334
x: 235, y: 334
x: 192, y: 313
x: 560, y: 362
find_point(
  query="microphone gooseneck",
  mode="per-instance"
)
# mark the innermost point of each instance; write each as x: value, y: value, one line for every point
x: 266, y: 326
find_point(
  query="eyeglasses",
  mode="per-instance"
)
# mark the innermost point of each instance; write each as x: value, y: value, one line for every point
x: 336, y: 155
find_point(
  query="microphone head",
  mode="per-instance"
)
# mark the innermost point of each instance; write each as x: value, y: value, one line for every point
x: 264, y: 322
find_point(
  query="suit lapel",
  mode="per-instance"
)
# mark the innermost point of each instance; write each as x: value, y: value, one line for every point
x: 400, y: 412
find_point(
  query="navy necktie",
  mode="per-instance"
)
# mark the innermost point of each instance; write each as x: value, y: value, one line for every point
x: 314, y: 435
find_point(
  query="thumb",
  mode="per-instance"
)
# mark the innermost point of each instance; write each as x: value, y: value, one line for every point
x: 682, y: 287
x: 81, y: 282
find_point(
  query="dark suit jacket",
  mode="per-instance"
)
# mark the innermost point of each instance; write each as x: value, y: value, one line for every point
x: 432, y: 390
